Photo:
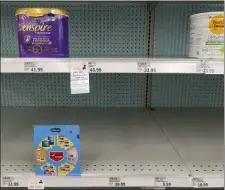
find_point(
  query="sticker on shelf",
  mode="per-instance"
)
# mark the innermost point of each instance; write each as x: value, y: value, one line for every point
x: 79, y: 78
x: 116, y: 182
x: 162, y: 182
x: 200, y: 67
x: 9, y: 181
x: 199, y: 182
x: 144, y: 67
x: 214, y: 67
x: 32, y: 67
x: 93, y: 68
x: 36, y: 184
x: 210, y: 67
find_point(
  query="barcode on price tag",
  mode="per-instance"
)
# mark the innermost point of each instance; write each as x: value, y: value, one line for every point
x: 116, y: 182
x: 32, y: 67
x: 199, y: 182
x: 143, y: 67
x: 162, y: 182
x: 8, y: 181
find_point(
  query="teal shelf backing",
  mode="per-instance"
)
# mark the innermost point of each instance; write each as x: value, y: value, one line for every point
x: 170, y: 40
x: 113, y: 30
x: 46, y: 90
x: 96, y: 30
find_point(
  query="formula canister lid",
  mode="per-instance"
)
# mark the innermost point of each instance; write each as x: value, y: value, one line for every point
x: 36, y: 12
x: 206, y: 14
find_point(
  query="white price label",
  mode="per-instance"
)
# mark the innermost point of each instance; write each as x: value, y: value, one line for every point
x: 8, y: 181
x: 162, y: 182
x: 32, y: 67
x: 34, y: 184
x: 199, y: 182
x: 79, y: 79
x: 210, y: 67
x: 116, y: 182
x: 200, y: 67
x: 93, y: 68
x: 143, y: 67
x: 213, y: 67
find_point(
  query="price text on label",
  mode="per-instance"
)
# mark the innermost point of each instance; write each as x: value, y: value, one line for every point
x: 162, y: 182
x: 116, y: 182
x: 8, y: 181
x: 32, y: 67
x: 143, y: 67
x: 199, y: 182
x: 95, y: 70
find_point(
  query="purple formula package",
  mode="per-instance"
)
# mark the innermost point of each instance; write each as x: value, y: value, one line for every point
x: 43, y: 32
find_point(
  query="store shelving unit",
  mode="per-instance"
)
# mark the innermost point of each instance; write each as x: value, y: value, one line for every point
x: 147, y: 122
x: 138, y: 145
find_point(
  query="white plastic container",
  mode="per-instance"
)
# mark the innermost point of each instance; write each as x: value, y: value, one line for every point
x: 206, y: 37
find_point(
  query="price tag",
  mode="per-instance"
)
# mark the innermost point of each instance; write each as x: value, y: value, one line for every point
x: 143, y: 67
x: 214, y: 67
x: 79, y: 79
x: 210, y: 67
x: 93, y: 68
x: 162, y: 182
x: 8, y: 181
x: 200, y: 67
x: 199, y: 182
x: 32, y: 67
x: 116, y: 182
x: 34, y: 184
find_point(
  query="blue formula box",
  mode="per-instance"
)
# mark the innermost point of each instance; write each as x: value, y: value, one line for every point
x: 57, y: 150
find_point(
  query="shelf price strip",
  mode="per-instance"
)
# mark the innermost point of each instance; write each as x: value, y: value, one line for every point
x: 162, y: 182
x: 8, y: 181
x: 32, y: 67
x: 199, y: 182
x: 116, y: 182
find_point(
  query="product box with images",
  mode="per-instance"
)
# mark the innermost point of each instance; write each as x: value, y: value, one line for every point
x: 57, y: 150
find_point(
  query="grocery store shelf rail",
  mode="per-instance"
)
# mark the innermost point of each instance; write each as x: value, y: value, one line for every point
x: 113, y: 65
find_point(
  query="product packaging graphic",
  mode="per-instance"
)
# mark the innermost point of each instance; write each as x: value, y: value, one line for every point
x: 57, y: 150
